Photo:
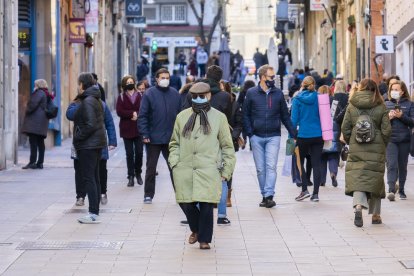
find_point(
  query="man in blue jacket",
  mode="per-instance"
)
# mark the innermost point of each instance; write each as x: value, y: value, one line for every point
x: 263, y: 111
x: 159, y: 108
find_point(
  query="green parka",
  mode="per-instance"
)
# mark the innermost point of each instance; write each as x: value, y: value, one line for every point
x: 366, y: 162
x: 200, y: 162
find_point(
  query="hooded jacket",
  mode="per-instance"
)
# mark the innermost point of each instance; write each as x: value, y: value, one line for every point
x: 159, y: 108
x: 305, y: 114
x: 365, y: 166
x: 401, y: 127
x: 263, y: 113
x: 89, y: 128
x: 35, y: 121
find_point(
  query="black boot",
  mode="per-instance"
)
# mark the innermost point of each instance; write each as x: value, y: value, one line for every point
x: 130, y: 181
x: 270, y: 202
x: 139, y: 179
x: 263, y: 203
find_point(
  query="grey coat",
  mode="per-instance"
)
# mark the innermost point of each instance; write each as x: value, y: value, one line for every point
x: 35, y: 121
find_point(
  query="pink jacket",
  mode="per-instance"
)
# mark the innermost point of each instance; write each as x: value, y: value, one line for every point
x: 325, y: 117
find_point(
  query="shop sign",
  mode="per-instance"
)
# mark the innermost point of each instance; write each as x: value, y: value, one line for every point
x: 137, y: 22
x: 133, y: 8
x: 92, y: 16
x: 317, y: 5
x: 384, y: 44
x: 24, y: 39
x: 77, y: 30
x: 178, y: 41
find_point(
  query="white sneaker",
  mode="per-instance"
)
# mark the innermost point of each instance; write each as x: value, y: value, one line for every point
x: 89, y: 219
x: 147, y: 200
x: 80, y: 201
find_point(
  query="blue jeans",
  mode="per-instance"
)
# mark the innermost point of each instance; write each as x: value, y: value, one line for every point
x: 265, y: 154
x: 222, y: 206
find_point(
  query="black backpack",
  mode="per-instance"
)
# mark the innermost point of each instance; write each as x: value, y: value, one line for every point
x: 51, y: 109
x: 364, y: 128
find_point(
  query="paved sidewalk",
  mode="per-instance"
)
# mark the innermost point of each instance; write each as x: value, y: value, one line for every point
x: 294, y: 238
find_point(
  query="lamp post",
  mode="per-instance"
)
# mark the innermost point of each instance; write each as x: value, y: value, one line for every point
x: 332, y: 20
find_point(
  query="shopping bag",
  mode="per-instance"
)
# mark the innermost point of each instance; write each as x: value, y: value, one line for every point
x: 290, y: 146
x: 287, y: 166
x: 296, y: 167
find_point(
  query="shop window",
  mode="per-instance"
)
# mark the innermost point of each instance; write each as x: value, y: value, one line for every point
x: 151, y: 13
x: 173, y: 14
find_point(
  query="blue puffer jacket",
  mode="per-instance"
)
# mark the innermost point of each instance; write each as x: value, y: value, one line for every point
x: 305, y: 114
x: 109, y: 125
x: 159, y: 108
x: 263, y: 113
x: 401, y: 127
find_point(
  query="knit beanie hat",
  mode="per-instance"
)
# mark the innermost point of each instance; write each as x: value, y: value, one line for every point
x: 215, y: 73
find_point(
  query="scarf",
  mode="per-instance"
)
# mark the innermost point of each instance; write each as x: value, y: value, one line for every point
x: 198, y: 109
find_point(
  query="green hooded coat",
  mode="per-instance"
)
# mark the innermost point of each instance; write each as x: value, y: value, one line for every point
x: 366, y: 162
x: 200, y: 162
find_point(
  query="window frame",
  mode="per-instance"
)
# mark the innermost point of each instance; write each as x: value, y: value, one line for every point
x: 174, y: 8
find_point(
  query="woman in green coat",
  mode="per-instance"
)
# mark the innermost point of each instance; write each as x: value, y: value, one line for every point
x: 201, y: 157
x: 364, y: 172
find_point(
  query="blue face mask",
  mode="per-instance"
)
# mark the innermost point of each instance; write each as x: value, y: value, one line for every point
x: 199, y: 100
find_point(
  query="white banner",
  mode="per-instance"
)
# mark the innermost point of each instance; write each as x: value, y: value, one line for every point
x: 178, y: 41
x: 92, y: 16
x: 317, y: 5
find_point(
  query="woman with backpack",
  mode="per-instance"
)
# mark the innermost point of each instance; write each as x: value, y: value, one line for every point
x: 36, y: 123
x: 401, y: 114
x: 367, y: 130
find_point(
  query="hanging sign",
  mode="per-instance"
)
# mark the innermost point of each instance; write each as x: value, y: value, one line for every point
x: 317, y: 5
x: 77, y: 30
x: 92, y: 16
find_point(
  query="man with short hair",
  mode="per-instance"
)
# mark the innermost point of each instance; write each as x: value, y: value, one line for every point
x: 159, y: 107
x: 89, y: 138
x: 263, y: 111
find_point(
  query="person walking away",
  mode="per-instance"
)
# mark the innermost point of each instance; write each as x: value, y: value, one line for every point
x: 128, y: 107
x: 36, y: 123
x: 89, y: 140
x: 236, y: 127
x: 305, y: 115
x: 258, y: 59
x: 367, y: 130
x: 182, y: 62
x: 264, y: 110
x: 143, y: 68
x: 201, y: 157
x: 202, y: 58
x: 192, y: 67
x: 159, y: 108
x: 331, y: 156
x: 401, y: 115
x: 103, y: 172
x: 175, y: 81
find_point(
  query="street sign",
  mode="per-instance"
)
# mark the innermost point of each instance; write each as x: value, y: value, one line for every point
x: 133, y: 8
x: 139, y: 22
x: 384, y: 44
x: 317, y: 5
x: 77, y: 30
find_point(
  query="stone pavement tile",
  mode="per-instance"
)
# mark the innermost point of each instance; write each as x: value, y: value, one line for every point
x: 337, y: 251
x: 172, y: 267
x: 96, y: 267
x: 272, y: 268
x: 315, y: 269
x: 395, y: 267
x: 233, y: 268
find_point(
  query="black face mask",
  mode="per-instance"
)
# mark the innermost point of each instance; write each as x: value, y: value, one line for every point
x: 130, y: 86
x: 270, y: 83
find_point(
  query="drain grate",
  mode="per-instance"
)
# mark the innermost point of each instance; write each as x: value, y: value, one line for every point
x: 72, y: 245
x: 78, y: 211
x: 408, y: 264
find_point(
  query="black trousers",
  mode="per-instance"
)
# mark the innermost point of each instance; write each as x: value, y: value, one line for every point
x: 103, y: 178
x: 153, y: 154
x: 200, y: 219
x: 89, y: 176
x: 313, y: 147
x: 37, y: 143
x: 397, y: 161
x: 134, y: 149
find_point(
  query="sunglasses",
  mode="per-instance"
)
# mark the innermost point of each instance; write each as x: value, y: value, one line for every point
x: 194, y: 96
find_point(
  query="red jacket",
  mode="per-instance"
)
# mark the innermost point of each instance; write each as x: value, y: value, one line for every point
x: 125, y: 108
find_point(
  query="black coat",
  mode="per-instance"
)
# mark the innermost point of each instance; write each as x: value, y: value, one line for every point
x: 159, y: 108
x: 35, y: 121
x: 175, y: 82
x: 236, y: 122
x: 220, y: 100
x: 401, y: 127
x: 89, y: 127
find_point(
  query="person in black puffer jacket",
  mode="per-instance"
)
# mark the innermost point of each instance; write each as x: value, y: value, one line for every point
x: 89, y: 138
x: 35, y: 124
x: 401, y: 114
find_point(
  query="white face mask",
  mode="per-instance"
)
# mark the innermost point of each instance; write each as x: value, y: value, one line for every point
x: 164, y: 83
x: 395, y: 94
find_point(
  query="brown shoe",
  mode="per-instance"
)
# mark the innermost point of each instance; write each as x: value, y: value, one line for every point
x: 193, y: 238
x: 204, y: 245
x: 229, y: 198
x: 376, y: 219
